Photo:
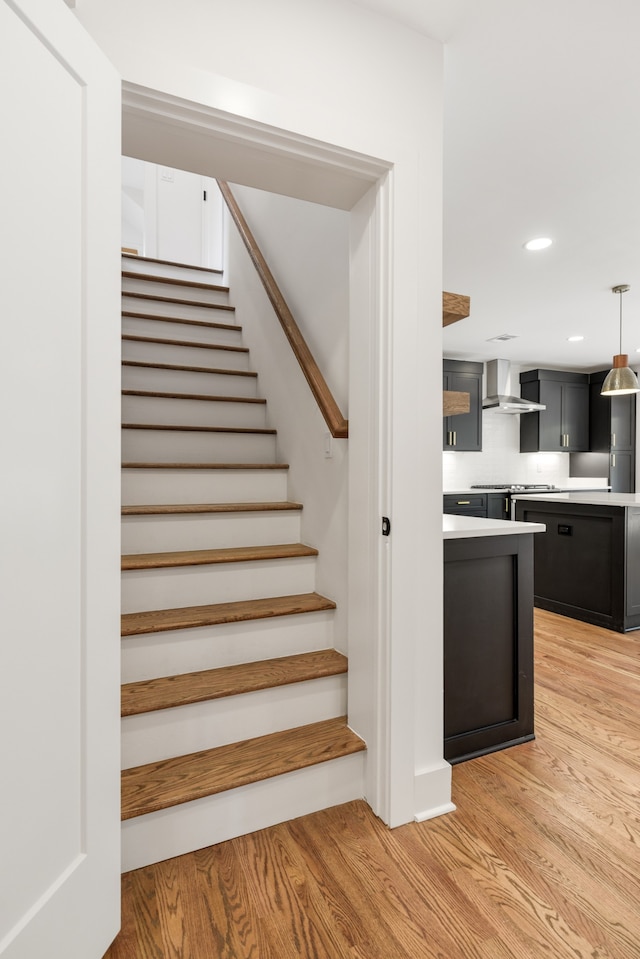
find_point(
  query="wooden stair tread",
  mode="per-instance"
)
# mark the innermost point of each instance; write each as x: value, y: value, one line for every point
x: 184, y: 266
x: 196, y: 396
x: 197, y: 429
x: 205, y: 466
x: 218, y: 614
x: 180, y: 301
x: 176, y: 508
x: 203, y: 557
x: 174, y: 281
x: 188, y: 321
x: 187, y: 369
x: 168, y: 692
x: 171, y: 782
x: 165, y: 341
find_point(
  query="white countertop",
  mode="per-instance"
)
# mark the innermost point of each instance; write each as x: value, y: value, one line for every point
x: 590, y: 499
x: 500, y: 489
x: 459, y: 527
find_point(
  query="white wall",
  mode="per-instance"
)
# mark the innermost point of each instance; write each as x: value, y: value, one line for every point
x: 333, y: 72
x: 306, y: 246
x: 319, y: 483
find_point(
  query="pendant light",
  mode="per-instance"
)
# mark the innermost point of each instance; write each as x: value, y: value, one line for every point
x: 621, y: 379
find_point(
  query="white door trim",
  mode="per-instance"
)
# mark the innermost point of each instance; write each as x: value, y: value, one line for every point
x: 167, y: 130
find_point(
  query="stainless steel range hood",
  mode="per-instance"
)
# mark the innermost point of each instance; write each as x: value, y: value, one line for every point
x: 497, y: 397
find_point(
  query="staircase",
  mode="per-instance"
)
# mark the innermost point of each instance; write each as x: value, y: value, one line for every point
x: 234, y: 697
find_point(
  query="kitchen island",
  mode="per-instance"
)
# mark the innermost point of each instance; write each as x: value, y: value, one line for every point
x: 488, y: 634
x: 587, y: 566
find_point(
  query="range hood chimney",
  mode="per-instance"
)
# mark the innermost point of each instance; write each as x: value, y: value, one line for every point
x: 497, y: 398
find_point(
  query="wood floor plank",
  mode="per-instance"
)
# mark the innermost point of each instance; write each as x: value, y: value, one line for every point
x: 190, y: 617
x: 539, y: 861
x: 177, y: 508
x: 196, y: 687
x: 203, y: 557
x: 184, y: 778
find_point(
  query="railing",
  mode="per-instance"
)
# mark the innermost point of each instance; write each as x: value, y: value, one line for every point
x: 338, y: 425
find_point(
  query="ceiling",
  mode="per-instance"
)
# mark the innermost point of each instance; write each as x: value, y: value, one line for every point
x: 542, y: 138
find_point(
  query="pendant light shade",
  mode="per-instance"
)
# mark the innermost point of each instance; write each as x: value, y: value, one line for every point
x: 621, y: 379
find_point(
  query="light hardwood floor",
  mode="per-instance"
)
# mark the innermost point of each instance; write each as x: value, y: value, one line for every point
x: 541, y: 860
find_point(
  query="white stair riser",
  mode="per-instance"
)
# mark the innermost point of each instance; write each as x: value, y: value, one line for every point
x: 175, y: 290
x: 181, y: 355
x: 225, y: 333
x: 157, y: 486
x: 165, y: 733
x: 170, y: 410
x: 151, y: 534
x: 151, y: 655
x: 214, y: 819
x: 208, y: 314
x: 186, y: 381
x: 132, y: 264
x: 215, y: 583
x: 175, y: 446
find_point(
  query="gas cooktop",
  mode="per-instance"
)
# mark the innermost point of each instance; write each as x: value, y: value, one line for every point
x: 514, y: 487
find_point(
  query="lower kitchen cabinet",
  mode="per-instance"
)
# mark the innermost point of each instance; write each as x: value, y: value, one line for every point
x: 499, y: 505
x: 488, y: 644
x: 465, y: 504
x: 587, y: 564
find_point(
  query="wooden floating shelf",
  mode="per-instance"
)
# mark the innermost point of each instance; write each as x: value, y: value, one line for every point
x: 454, y: 403
x: 455, y: 306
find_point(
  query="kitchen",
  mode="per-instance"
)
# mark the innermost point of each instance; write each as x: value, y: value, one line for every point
x: 509, y: 544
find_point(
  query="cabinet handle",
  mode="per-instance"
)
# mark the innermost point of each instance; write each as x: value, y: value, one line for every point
x: 506, y: 504
x: 455, y: 438
x: 613, y: 459
x: 613, y: 439
x: 464, y: 502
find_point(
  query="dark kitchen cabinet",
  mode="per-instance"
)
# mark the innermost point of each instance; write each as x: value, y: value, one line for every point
x: 612, y: 430
x: 498, y: 506
x: 463, y: 433
x: 488, y: 644
x: 563, y: 427
x: 587, y: 563
x: 465, y: 504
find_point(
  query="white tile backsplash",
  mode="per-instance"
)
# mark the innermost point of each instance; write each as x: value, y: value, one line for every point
x: 501, y: 460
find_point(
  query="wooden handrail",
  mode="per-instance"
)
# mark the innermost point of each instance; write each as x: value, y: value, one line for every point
x: 330, y: 410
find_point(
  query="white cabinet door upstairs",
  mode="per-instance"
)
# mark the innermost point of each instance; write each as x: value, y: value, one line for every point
x: 59, y: 486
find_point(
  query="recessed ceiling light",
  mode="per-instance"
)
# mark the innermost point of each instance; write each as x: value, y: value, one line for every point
x: 575, y: 339
x: 539, y: 243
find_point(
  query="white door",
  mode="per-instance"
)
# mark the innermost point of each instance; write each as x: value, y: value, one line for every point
x: 189, y: 218
x: 59, y: 476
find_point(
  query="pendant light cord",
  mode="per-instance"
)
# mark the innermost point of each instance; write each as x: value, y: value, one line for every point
x: 620, y: 295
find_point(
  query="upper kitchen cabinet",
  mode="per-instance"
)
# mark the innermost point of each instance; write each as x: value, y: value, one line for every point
x: 612, y: 430
x: 563, y: 427
x: 463, y: 433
